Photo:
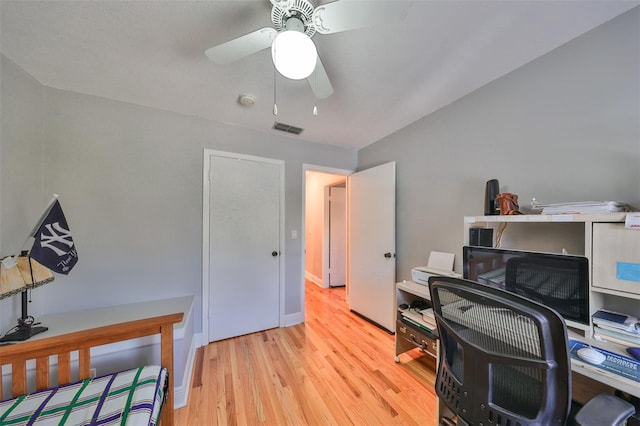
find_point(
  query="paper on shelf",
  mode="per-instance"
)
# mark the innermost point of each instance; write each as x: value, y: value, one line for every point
x: 632, y: 221
x: 582, y: 207
x: 441, y: 261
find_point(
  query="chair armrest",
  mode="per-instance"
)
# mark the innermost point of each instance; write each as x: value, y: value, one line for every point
x: 605, y: 409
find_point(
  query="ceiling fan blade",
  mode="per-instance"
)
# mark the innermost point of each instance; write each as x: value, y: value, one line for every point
x: 344, y: 15
x: 242, y: 46
x: 283, y: 4
x: 319, y: 81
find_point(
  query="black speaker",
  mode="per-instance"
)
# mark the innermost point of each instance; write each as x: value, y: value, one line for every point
x: 491, y: 191
x: 481, y: 237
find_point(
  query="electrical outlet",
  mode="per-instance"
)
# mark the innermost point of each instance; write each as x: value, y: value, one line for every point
x: 92, y: 373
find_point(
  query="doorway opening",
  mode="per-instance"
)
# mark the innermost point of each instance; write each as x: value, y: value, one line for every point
x: 370, y: 256
x: 325, y: 228
x: 317, y: 180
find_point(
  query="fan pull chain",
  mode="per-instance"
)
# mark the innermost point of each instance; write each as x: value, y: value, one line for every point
x: 315, y: 100
x: 275, y: 106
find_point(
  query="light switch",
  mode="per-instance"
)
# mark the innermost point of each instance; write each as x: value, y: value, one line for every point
x: 294, y: 234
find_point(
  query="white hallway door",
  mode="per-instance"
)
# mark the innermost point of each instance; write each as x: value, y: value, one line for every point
x: 244, y: 245
x: 372, y: 244
x: 337, y: 235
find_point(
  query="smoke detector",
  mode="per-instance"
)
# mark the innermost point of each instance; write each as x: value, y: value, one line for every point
x: 246, y: 100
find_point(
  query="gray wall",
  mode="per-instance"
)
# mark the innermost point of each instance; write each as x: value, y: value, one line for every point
x: 21, y: 167
x: 565, y: 127
x: 130, y: 183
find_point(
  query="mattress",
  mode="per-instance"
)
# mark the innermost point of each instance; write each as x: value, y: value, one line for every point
x: 131, y: 397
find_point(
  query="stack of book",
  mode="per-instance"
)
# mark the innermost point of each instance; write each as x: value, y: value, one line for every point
x: 424, y: 319
x: 616, y: 327
x: 429, y: 318
x: 584, y: 207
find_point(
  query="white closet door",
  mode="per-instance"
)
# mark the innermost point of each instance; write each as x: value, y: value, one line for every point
x: 244, y: 249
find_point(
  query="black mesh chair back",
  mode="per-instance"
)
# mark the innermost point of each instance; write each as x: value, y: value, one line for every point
x: 503, y: 359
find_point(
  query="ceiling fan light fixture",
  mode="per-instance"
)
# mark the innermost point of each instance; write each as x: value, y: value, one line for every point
x: 294, y: 54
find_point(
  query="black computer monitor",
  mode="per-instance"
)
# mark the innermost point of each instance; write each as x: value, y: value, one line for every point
x: 558, y: 281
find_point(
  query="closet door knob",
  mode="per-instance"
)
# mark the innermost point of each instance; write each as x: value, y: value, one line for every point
x: 274, y: 253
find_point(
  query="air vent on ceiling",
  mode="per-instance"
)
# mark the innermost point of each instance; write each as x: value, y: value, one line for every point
x: 287, y: 128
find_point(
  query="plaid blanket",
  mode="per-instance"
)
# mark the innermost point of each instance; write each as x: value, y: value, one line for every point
x: 132, y: 397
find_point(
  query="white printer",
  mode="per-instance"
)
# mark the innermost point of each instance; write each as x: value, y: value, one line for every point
x: 421, y: 274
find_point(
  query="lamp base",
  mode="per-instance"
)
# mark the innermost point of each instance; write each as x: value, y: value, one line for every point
x: 23, y: 332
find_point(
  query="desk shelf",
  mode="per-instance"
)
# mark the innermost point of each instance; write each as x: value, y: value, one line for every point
x: 604, y: 241
x: 409, y: 336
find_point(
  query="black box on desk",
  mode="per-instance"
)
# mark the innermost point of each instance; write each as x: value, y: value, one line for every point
x: 481, y: 237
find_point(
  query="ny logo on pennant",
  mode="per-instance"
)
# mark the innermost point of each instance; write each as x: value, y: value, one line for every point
x: 57, y: 234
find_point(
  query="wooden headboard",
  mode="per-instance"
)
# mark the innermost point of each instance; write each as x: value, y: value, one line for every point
x: 63, y: 345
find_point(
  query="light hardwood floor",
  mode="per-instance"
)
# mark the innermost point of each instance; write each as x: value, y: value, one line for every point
x: 335, y: 369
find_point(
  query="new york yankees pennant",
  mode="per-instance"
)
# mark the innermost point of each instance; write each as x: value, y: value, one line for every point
x: 53, y: 246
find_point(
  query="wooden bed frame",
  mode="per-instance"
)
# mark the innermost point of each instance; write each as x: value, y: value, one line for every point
x: 41, y: 349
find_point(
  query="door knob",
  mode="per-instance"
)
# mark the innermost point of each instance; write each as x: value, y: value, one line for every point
x: 274, y: 253
x: 387, y: 255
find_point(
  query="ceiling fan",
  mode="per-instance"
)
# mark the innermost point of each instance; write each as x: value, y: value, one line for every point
x: 306, y: 19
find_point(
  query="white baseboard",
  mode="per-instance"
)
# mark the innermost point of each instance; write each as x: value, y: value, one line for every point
x: 314, y: 279
x: 293, y: 319
x: 197, y: 339
x: 181, y: 393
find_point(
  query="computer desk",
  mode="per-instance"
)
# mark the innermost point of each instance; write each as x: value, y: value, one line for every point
x: 584, y: 375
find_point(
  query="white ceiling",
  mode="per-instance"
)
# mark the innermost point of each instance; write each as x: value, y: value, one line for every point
x: 384, y: 77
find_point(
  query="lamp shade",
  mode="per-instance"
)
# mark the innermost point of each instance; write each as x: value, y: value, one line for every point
x: 11, y: 281
x: 26, y: 274
x: 294, y: 54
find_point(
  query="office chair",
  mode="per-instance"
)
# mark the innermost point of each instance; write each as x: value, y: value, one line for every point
x: 504, y: 361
